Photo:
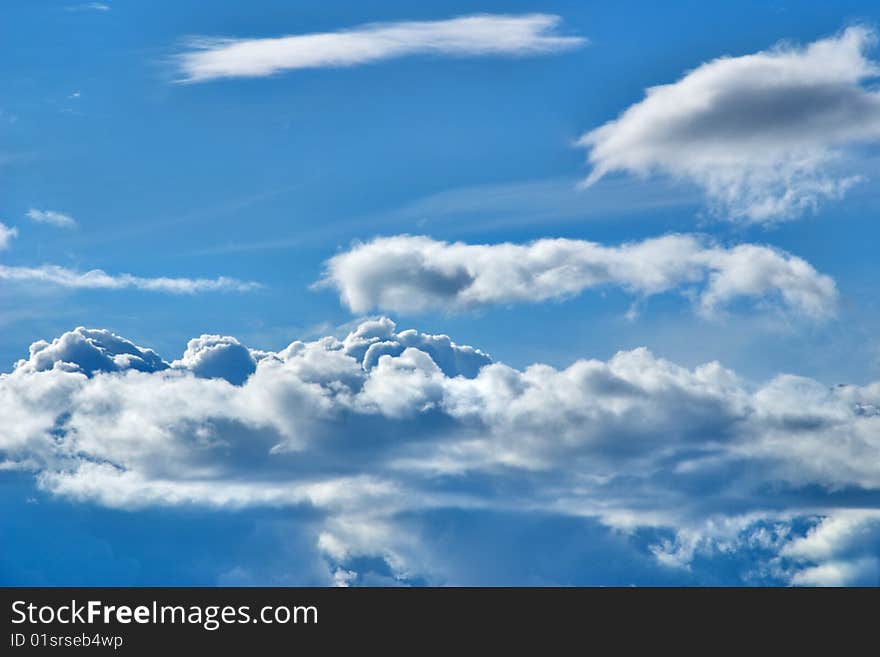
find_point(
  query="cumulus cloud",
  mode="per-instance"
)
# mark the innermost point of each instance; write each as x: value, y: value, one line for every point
x: 373, y: 430
x: 765, y: 135
x: 218, y: 356
x: 90, y: 351
x: 841, y: 550
x: 97, y: 279
x: 465, y: 36
x: 7, y: 234
x: 415, y: 274
x: 58, y: 219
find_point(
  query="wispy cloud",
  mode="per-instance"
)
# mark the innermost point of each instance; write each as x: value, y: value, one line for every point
x: 479, y: 35
x: 6, y: 235
x: 495, y: 205
x: 478, y: 208
x: 89, y: 6
x: 97, y: 279
x: 51, y: 217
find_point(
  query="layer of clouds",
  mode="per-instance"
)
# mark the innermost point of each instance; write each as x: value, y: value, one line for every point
x: 97, y: 279
x: 465, y: 36
x: 381, y: 430
x: 765, y: 135
x: 416, y: 274
x: 7, y: 234
x: 58, y: 219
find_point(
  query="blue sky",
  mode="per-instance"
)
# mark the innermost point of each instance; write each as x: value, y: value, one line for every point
x: 165, y: 171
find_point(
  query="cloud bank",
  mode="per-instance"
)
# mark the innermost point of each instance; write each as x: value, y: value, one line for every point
x: 58, y: 219
x: 766, y: 136
x: 378, y: 429
x: 465, y: 36
x: 415, y: 274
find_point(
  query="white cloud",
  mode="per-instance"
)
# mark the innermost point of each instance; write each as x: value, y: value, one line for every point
x: 97, y: 279
x: 90, y: 351
x: 841, y: 550
x: 51, y: 217
x: 7, y: 234
x: 765, y: 135
x: 479, y: 35
x: 370, y: 430
x: 415, y: 274
x: 218, y: 356
x: 89, y: 6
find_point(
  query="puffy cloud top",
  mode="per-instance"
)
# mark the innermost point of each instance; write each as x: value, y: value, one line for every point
x: 760, y: 133
x: 217, y: 356
x: 377, y: 338
x: 90, y: 351
x: 373, y: 428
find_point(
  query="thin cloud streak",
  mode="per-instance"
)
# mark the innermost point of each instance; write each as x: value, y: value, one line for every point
x: 89, y: 6
x: 464, y: 36
x: 97, y: 279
